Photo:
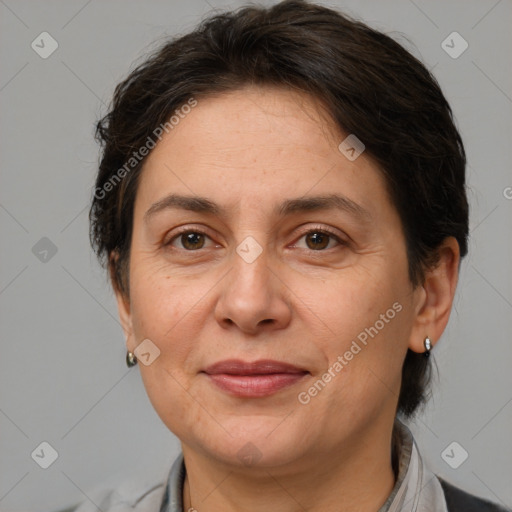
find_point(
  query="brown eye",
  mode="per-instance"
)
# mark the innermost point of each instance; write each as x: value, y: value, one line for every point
x: 192, y: 240
x: 317, y: 240
x: 189, y: 240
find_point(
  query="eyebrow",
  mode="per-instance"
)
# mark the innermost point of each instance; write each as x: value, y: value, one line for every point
x: 302, y: 204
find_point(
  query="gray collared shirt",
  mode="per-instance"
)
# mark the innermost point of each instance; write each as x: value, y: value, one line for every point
x: 416, y: 489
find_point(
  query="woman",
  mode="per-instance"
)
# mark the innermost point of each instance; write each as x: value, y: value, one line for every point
x: 281, y: 206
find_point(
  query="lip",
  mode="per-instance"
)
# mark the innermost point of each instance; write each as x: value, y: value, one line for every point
x: 260, y: 367
x: 253, y: 379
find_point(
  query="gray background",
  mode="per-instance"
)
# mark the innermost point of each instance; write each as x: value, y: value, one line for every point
x: 62, y: 374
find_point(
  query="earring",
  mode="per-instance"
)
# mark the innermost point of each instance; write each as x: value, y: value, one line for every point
x: 131, y: 359
x: 428, y: 346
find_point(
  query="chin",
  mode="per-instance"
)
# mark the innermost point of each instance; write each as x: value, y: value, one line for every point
x: 257, y: 441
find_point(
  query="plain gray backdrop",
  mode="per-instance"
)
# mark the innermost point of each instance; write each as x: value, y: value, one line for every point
x: 63, y: 379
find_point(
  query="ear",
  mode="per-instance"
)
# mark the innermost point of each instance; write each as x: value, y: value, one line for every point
x: 435, y: 297
x: 123, y: 301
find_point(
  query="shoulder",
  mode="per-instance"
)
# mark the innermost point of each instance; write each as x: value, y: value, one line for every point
x: 458, y: 500
x: 138, y: 495
x: 131, y: 496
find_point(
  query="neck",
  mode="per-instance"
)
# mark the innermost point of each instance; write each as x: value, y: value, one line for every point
x: 351, y: 480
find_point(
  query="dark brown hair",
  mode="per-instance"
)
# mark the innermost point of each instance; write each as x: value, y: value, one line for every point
x: 370, y: 85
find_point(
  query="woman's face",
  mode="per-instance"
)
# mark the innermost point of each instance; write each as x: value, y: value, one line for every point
x: 298, y: 257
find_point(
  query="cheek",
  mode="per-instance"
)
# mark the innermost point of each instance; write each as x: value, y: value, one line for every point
x: 164, y: 311
x: 167, y: 313
x: 350, y: 304
x: 368, y: 321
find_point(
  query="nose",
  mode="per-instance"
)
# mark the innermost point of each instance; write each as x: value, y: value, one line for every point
x: 252, y: 297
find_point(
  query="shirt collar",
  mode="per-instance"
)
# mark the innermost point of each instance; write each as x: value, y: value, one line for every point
x: 416, y: 489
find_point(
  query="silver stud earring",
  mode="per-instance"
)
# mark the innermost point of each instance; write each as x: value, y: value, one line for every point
x: 131, y: 359
x: 428, y: 346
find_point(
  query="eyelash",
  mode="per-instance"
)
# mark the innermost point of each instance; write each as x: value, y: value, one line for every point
x: 322, y: 230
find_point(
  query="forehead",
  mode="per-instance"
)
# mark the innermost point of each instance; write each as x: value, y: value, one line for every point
x: 253, y: 144
x: 238, y: 125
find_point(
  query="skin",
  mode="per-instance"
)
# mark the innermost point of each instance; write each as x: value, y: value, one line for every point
x: 247, y: 151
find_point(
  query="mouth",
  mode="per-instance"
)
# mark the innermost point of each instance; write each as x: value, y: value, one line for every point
x: 253, y: 379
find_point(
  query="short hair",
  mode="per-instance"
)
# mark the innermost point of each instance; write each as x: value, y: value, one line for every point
x: 371, y: 87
